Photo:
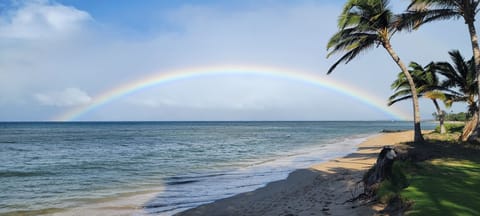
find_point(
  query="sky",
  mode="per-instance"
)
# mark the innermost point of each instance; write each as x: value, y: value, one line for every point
x: 57, y: 56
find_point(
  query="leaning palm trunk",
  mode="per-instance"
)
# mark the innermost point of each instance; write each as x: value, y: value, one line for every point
x: 474, y: 133
x: 469, y: 129
x: 418, y: 138
x: 441, y: 117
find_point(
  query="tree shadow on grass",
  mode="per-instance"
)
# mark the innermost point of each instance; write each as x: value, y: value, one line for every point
x: 444, y: 177
x: 443, y: 189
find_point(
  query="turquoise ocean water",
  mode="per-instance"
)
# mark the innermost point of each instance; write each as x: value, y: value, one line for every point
x: 55, y: 167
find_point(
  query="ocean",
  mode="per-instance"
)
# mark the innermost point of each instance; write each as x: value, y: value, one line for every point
x: 159, y: 168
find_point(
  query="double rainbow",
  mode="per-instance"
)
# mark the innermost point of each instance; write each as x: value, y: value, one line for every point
x: 163, y: 77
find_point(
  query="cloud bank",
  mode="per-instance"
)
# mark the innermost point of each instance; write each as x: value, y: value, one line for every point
x: 66, y: 98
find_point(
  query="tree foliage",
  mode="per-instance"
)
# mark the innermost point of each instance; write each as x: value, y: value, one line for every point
x: 460, y: 79
x: 363, y: 24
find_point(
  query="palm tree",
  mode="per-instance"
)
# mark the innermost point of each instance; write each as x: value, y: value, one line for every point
x: 461, y: 80
x: 426, y: 11
x: 364, y: 24
x: 428, y: 86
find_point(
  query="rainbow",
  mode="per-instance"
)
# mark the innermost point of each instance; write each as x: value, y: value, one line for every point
x: 192, y: 73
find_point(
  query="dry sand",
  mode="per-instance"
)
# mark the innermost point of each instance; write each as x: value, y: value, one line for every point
x: 319, y: 190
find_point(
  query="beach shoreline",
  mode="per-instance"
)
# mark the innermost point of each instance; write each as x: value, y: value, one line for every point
x: 322, y: 189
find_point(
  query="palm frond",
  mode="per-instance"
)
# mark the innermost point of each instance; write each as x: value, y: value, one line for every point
x: 351, y: 54
x: 460, y: 83
x: 359, y: 25
x: 425, y: 79
x: 392, y: 101
x: 412, y: 20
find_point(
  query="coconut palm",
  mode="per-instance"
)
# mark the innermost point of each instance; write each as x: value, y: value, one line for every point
x: 428, y: 86
x: 461, y: 80
x: 425, y: 11
x: 364, y: 24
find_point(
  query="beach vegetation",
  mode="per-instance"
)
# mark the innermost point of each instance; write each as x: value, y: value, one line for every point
x: 390, y: 188
x: 363, y: 25
x: 442, y: 81
x: 454, y: 127
x: 442, y: 178
x: 421, y: 12
x: 454, y: 117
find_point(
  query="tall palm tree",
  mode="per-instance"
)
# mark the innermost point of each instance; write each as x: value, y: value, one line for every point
x: 461, y: 80
x: 425, y: 11
x: 365, y: 24
x: 428, y: 86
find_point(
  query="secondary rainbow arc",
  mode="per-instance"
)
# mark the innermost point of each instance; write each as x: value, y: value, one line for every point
x: 163, y: 77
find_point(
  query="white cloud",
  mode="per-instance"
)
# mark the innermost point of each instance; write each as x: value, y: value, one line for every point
x: 39, y: 19
x: 65, y: 98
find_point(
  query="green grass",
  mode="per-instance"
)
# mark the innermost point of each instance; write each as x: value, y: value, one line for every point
x: 389, y: 189
x: 438, y: 177
x: 451, y: 127
x: 443, y: 187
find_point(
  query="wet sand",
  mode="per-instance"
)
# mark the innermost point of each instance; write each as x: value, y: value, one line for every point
x: 127, y: 204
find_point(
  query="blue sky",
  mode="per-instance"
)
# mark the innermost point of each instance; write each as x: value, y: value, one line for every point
x: 58, y: 55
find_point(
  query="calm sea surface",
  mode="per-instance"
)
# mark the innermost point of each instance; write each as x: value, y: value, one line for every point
x: 56, y: 167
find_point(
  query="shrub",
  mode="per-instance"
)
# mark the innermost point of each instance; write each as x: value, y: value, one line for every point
x: 451, y: 127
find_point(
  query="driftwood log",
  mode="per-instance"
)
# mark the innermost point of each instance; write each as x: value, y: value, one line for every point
x: 380, y: 171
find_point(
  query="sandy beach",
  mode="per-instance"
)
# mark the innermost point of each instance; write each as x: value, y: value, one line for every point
x: 321, y: 189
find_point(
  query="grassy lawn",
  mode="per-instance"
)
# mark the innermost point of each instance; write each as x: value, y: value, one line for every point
x: 443, y: 177
x: 444, y: 187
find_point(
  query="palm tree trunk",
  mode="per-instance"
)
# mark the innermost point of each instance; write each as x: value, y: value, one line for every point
x: 476, y: 56
x: 469, y: 128
x: 441, y: 117
x: 418, y: 138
